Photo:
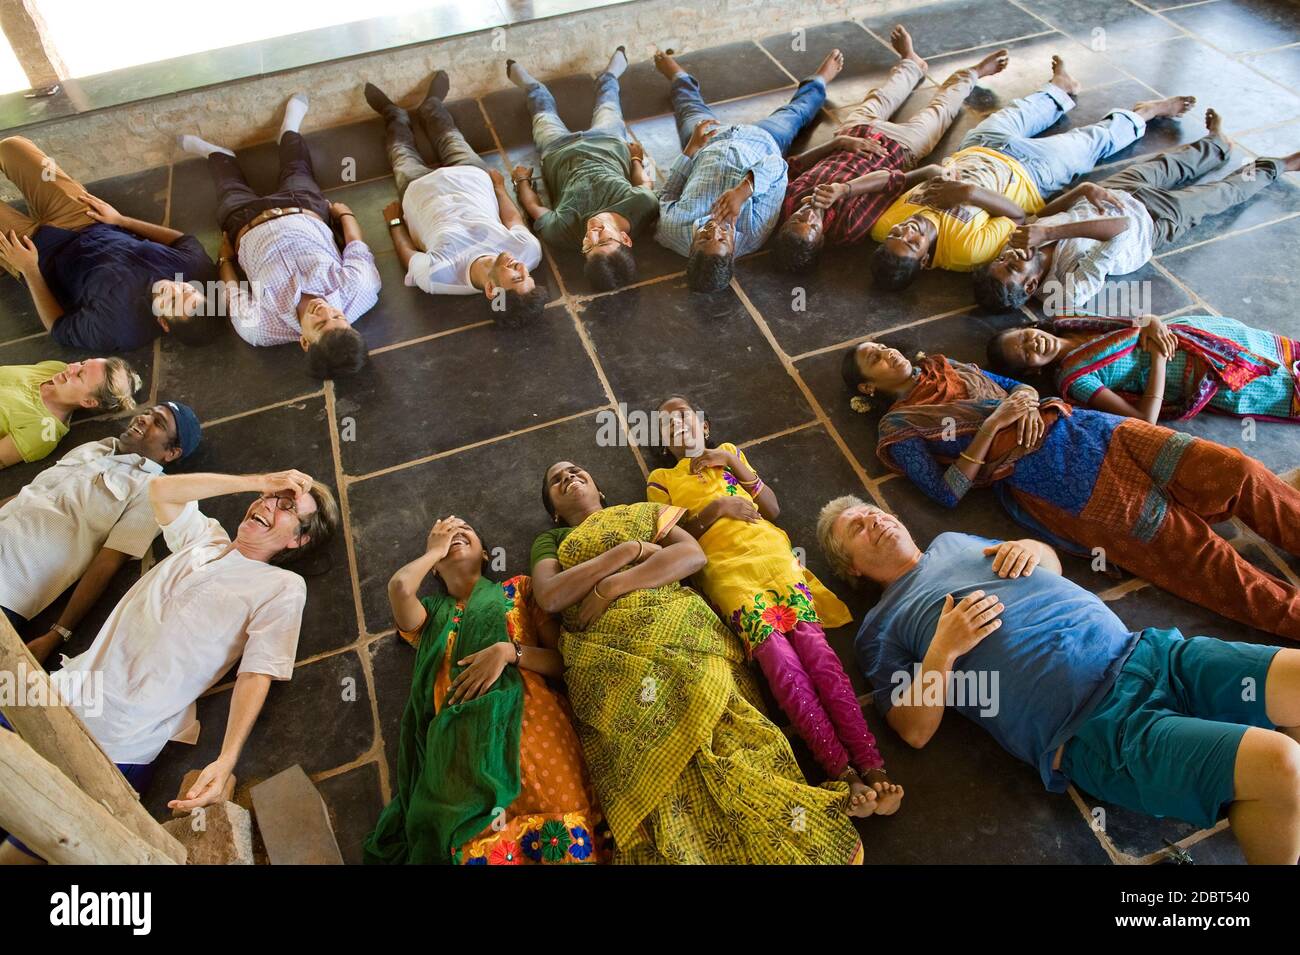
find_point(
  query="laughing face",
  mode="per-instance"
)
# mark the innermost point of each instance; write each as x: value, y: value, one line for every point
x: 681, y: 430
x: 881, y: 368
x: 570, y: 490
x: 872, y: 538
x: 152, y: 434
x: 465, y: 550
x: 273, y: 521
x: 1030, y: 347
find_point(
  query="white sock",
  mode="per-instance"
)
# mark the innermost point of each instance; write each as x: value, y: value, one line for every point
x: 294, y: 112
x: 518, y: 75
x: 617, y: 63
x: 200, y: 147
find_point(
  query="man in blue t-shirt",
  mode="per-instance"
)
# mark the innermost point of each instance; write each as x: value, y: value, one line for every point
x: 1144, y: 719
x: 100, y: 280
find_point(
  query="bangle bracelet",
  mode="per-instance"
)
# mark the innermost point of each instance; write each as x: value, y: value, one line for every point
x: 519, y: 651
x: 757, y: 480
x: 343, y: 215
x: 967, y: 457
x: 596, y: 590
x: 640, y: 549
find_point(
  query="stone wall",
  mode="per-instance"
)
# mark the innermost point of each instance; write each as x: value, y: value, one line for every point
x: 140, y: 136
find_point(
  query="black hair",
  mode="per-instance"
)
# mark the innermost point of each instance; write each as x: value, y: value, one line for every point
x: 998, y: 295
x: 708, y: 272
x: 1042, y: 379
x: 195, y: 330
x: 792, y: 252
x: 893, y: 272
x: 661, y: 451
x: 522, y: 309
x: 849, y: 370
x: 546, y: 488
x: 607, y: 271
x: 336, y: 354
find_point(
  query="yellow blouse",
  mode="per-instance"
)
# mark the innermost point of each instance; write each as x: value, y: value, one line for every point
x: 754, y: 578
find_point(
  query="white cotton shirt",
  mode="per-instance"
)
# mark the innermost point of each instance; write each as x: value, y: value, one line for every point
x: 94, y: 497
x: 176, y: 632
x: 452, y: 214
x: 1081, y: 266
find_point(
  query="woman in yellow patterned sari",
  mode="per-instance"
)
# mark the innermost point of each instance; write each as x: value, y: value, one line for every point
x: 685, y: 765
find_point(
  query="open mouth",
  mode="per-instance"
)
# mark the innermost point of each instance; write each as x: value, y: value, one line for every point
x: 459, y: 540
x: 261, y: 519
x: 571, y: 482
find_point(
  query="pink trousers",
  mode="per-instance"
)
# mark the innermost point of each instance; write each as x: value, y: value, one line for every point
x: 814, y: 691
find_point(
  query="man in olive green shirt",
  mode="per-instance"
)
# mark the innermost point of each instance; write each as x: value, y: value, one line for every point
x: 602, y: 195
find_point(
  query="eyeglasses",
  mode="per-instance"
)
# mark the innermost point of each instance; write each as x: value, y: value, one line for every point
x: 284, y: 501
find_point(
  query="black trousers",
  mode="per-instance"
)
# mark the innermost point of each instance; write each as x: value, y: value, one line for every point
x: 238, y: 204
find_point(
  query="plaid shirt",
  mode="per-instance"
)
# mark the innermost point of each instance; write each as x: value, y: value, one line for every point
x: 695, y: 183
x: 850, y: 220
x: 294, y: 256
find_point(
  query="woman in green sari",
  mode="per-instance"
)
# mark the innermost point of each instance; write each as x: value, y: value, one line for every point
x: 685, y: 765
x: 489, y: 769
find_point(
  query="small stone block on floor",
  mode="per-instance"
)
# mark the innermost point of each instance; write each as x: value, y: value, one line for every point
x: 220, y: 834
x: 227, y: 792
x: 294, y: 823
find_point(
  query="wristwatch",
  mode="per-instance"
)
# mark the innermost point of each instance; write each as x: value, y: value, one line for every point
x: 64, y: 632
x: 394, y: 223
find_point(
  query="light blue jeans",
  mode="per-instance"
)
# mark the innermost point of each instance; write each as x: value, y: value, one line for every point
x: 549, y: 130
x: 1053, y: 161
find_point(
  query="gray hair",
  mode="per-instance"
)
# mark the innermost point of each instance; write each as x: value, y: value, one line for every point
x: 835, y: 554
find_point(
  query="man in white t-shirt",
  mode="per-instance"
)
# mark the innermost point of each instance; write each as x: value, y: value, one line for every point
x: 212, y: 603
x: 1096, y: 230
x: 454, y: 227
x: 81, y: 519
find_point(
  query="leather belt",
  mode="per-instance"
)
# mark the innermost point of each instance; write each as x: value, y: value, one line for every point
x: 267, y: 215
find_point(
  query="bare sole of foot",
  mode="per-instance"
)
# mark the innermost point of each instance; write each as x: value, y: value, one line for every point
x: 831, y: 66
x: 665, y: 63
x: 1063, y: 79
x: 1169, y: 107
x: 994, y: 63
x: 1214, y: 124
x: 901, y: 41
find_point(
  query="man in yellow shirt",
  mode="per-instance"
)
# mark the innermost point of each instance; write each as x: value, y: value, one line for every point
x: 1000, y: 173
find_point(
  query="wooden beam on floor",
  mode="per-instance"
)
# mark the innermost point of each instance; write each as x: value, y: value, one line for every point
x: 56, y: 734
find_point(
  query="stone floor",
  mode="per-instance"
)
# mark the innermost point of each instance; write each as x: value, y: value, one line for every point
x: 458, y: 416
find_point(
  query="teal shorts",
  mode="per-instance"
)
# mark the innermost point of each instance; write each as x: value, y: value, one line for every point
x: 1164, y: 740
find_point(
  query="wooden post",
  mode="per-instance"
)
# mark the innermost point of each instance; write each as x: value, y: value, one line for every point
x: 59, y: 822
x: 25, y: 29
x: 57, y: 734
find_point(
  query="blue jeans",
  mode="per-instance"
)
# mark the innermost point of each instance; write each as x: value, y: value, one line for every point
x: 1052, y: 162
x: 783, y: 125
x: 549, y: 130
x: 137, y: 774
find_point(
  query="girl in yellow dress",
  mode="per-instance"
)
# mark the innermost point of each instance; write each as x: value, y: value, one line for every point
x: 774, y: 604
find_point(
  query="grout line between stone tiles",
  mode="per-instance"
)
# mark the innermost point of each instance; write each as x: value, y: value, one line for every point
x: 1117, y: 855
x: 753, y: 442
x: 405, y: 465
x: 1186, y: 842
x: 363, y: 657
x: 822, y: 417
x: 271, y: 407
x: 872, y: 336
x: 428, y: 338
x: 23, y: 338
x: 1223, y: 235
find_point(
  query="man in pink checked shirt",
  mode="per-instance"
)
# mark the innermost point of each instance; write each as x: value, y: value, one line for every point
x: 300, y: 287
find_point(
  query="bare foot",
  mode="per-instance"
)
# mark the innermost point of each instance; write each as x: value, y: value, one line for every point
x: 862, y: 798
x: 831, y: 66
x: 1062, y: 79
x: 888, y: 798
x: 901, y: 41
x: 1214, y: 123
x: 994, y: 63
x: 1170, y: 106
x: 1292, y: 163
x: 665, y: 63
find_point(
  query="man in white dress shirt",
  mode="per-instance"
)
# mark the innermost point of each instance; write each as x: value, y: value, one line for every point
x: 301, y: 288
x: 454, y: 227
x: 214, y: 602
x: 83, y: 518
